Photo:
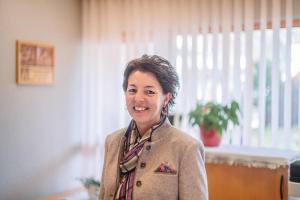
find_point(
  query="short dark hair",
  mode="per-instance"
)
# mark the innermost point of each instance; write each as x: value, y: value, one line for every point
x: 161, y: 68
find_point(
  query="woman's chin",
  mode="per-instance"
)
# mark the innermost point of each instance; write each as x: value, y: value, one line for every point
x: 138, y: 116
x: 140, y: 120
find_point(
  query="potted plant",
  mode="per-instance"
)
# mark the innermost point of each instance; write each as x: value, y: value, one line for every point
x: 213, y: 119
x: 92, y: 186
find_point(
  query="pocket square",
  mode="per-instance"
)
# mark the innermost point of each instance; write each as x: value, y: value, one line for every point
x: 164, y: 168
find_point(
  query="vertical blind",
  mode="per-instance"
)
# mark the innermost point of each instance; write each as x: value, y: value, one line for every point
x: 223, y: 50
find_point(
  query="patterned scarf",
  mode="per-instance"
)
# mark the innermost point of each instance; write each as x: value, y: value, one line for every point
x: 133, y: 147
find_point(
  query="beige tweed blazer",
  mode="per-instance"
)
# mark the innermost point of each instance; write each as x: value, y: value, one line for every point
x: 169, y: 148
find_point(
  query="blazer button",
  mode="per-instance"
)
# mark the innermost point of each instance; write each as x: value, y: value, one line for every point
x: 143, y: 165
x: 148, y: 147
x: 139, y: 183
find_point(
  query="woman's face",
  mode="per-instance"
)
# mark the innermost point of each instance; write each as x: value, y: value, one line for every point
x: 145, y: 99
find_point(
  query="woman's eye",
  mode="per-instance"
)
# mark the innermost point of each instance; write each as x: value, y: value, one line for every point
x: 131, y: 91
x: 150, y: 92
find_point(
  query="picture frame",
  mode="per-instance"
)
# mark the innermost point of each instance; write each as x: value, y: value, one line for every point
x: 35, y: 63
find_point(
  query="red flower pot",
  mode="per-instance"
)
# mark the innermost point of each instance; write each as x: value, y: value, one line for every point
x: 210, y: 138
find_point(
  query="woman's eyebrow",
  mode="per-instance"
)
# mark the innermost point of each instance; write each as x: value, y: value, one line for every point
x: 149, y: 86
x: 132, y: 85
x: 146, y: 87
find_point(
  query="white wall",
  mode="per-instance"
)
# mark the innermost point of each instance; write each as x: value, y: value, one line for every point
x: 39, y: 125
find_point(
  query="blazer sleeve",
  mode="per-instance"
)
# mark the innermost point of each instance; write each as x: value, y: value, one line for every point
x: 102, y: 190
x: 192, y: 174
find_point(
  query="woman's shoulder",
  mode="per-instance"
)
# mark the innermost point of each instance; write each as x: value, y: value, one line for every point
x: 184, y: 142
x: 115, y: 136
x: 183, y: 138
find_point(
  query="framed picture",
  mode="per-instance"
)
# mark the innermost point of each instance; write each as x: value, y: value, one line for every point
x: 35, y: 63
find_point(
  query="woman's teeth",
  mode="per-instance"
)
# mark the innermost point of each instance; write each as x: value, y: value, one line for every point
x: 139, y: 108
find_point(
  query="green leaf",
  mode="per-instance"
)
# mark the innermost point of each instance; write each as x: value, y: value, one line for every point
x: 213, y: 115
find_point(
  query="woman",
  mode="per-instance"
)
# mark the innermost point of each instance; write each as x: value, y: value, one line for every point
x: 151, y: 159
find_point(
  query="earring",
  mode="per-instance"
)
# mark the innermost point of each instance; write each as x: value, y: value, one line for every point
x: 164, y: 111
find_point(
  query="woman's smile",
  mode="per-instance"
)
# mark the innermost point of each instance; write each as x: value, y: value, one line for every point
x: 140, y: 109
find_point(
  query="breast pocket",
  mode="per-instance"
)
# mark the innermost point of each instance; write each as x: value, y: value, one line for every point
x: 165, y: 184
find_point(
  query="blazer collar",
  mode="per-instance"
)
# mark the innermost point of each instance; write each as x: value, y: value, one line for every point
x: 158, y: 134
x: 162, y: 131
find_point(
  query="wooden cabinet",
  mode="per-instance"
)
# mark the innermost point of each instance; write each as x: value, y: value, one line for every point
x: 241, y: 182
x: 248, y: 174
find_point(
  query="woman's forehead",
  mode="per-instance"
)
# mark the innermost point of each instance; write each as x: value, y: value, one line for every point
x: 145, y: 79
x: 140, y: 76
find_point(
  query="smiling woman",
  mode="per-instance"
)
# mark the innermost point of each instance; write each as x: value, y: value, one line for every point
x: 145, y: 100
x: 151, y: 159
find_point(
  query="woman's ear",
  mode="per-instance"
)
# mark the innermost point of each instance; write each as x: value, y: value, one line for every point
x: 167, y: 99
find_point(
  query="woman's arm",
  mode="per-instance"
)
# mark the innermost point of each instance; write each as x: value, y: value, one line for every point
x: 101, y: 195
x: 192, y: 174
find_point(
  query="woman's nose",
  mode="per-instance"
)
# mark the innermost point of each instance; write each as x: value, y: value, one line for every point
x: 139, y: 96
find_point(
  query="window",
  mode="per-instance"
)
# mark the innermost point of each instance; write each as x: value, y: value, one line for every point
x: 209, y: 69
